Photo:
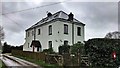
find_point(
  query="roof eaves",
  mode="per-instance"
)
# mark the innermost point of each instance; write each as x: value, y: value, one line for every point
x: 44, y: 20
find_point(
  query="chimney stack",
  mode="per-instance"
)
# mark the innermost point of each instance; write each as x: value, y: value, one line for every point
x: 49, y: 14
x: 70, y: 17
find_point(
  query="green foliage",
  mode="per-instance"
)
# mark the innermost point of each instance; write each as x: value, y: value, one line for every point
x: 49, y: 51
x: 78, y: 47
x: 64, y: 49
x: 8, y: 48
x: 3, y: 65
x: 100, y: 51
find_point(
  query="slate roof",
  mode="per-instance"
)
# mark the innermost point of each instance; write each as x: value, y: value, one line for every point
x: 56, y: 16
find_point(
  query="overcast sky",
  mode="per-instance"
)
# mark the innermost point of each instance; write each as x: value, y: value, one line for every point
x: 99, y: 17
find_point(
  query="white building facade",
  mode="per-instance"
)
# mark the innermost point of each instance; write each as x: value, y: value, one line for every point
x: 54, y: 30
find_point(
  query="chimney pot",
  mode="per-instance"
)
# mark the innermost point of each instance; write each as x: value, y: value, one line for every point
x: 70, y: 16
x: 49, y: 14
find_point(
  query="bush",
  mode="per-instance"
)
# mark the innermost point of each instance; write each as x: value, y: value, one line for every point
x: 49, y: 51
x: 100, y: 51
x: 64, y: 49
x: 78, y: 47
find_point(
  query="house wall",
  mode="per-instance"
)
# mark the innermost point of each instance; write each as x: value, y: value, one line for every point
x: 76, y: 37
x: 28, y: 40
x: 57, y: 36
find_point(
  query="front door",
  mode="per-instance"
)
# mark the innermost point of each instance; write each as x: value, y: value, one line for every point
x: 37, y: 49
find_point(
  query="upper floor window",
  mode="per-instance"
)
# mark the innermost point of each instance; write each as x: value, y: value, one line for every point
x: 65, y: 29
x: 79, y: 31
x: 50, y: 44
x: 28, y: 45
x: 28, y: 34
x: 50, y: 30
x: 38, y: 31
x: 32, y: 33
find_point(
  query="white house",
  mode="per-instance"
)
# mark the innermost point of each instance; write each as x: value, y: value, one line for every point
x: 54, y: 30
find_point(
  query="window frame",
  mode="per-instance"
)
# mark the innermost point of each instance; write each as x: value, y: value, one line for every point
x: 65, y: 42
x: 50, y: 44
x: 65, y: 28
x: 78, y: 31
x: 28, y: 34
x: 39, y: 31
x: 28, y: 45
x: 32, y: 33
x: 50, y: 29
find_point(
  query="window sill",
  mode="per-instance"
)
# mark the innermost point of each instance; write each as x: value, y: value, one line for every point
x: 66, y: 33
x: 50, y: 34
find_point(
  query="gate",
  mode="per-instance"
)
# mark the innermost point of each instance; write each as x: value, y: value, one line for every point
x: 54, y: 59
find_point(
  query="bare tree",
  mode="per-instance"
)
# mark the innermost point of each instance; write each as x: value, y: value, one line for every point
x: 113, y: 35
x: 1, y: 33
x: 1, y: 37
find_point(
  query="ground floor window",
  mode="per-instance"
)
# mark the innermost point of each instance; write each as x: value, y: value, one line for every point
x: 28, y: 45
x: 65, y: 42
x: 50, y: 44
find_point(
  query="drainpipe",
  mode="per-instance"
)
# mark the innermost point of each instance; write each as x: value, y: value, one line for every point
x: 70, y: 18
x: 72, y: 32
x: 0, y: 47
x: 34, y: 33
x: 34, y: 39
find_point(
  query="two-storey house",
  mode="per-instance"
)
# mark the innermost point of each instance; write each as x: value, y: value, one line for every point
x: 54, y: 30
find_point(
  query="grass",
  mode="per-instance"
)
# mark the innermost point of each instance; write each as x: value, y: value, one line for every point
x: 39, y: 62
x: 0, y: 63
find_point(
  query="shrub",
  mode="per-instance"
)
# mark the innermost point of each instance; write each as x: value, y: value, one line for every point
x: 100, y: 51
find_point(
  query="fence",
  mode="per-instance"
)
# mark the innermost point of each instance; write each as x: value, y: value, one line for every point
x: 31, y: 55
x: 62, y: 60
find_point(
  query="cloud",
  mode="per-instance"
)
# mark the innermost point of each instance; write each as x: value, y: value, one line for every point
x: 99, y: 17
x: 119, y: 16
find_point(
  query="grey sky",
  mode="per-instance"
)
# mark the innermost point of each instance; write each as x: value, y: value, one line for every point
x: 99, y: 17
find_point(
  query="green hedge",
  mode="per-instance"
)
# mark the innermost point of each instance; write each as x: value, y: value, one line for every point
x: 100, y: 51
